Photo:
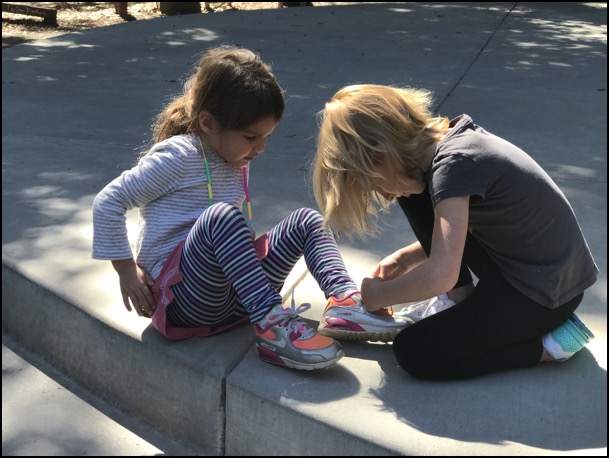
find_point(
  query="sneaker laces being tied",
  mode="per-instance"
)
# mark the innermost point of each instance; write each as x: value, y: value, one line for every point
x: 357, y: 297
x: 291, y: 319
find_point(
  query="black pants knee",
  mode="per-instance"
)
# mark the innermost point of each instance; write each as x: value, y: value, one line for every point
x: 495, y: 328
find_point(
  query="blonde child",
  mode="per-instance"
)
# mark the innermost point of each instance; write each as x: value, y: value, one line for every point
x: 475, y: 202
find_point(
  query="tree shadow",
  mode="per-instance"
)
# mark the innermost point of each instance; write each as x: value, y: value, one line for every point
x: 561, y: 407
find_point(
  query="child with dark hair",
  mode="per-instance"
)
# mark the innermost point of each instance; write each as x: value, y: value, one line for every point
x: 199, y: 269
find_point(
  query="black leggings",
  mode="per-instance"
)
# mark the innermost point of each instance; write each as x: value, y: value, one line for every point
x: 495, y: 328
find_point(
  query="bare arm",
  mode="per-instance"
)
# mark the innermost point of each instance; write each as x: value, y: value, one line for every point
x: 400, y: 262
x: 432, y: 277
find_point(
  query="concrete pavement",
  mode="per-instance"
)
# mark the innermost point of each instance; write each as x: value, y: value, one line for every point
x: 44, y: 413
x: 75, y: 110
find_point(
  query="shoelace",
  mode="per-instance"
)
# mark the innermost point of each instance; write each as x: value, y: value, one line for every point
x: 420, y: 306
x: 428, y: 308
x: 290, y: 319
x: 438, y: 304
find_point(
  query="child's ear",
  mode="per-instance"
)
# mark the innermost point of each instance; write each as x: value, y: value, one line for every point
x: 207, y: 122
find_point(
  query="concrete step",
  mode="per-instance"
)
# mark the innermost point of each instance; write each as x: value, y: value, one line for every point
x: 216, y: 397
x: 45, y: 413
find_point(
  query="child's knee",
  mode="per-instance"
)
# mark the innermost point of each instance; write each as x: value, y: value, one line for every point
x: 220, y: 211
x: 311, y: 219
x: 411, y: 356
x: 217, y: 218
x: 308, y: 213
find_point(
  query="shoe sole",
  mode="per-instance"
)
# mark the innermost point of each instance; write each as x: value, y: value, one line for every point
x: 341, y: 328
x: 341, y: 334
x: 569, y: 338
x: 286, y: 362
x: 581, y: 326
x: 406, y: 316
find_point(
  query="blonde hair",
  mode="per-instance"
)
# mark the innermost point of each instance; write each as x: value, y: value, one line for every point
x: 360, y: 121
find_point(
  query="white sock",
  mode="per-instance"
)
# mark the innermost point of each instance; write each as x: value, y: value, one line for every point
x: 554, y: 349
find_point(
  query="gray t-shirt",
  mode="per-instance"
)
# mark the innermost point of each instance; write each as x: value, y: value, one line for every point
x: 516, y: 212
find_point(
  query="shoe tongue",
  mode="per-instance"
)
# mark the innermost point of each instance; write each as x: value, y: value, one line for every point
x: 301, y: 331
x: 290, y: 319
x: 273, y: 316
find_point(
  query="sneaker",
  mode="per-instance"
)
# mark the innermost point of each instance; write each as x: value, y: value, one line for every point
x: 567, y: 339
x: 419, y: 310
x: 347, y: 318
x: 285, y: 339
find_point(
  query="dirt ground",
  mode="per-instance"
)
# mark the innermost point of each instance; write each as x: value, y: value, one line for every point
x: 77, y: 16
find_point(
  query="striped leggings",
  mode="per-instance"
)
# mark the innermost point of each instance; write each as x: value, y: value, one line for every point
x: 224, y: 280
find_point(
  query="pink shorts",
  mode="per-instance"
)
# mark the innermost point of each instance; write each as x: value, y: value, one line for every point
x: 163, y: 296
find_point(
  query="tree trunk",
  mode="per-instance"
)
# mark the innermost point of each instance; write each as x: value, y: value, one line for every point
x: 176, y: 8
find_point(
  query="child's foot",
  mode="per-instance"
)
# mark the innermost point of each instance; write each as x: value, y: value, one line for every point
x: 347, y: 318
x: 284, y: 338
x: 567, y: 339
x: 420, y: 310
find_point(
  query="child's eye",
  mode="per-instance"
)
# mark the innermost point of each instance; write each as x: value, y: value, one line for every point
x: 250, y: 137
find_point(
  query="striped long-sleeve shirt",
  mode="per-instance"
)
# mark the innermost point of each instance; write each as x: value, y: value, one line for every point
x: 169, y: 186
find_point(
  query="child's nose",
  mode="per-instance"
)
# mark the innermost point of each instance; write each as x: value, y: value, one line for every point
x: 261, y: 146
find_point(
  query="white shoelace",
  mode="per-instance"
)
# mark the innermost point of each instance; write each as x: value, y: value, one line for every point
x: 424, y: 309
x: 290, y: 318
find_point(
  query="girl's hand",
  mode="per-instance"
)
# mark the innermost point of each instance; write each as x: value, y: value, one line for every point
x: 136, y: 287
x: 371, y: 291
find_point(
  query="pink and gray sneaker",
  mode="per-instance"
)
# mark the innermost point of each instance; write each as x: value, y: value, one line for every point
x: 285, y: 339
x: 347, y: 318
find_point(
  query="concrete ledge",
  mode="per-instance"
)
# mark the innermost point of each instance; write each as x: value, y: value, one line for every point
x: 178, y: 387
x: 202, y: 392
x: 366, y: 405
